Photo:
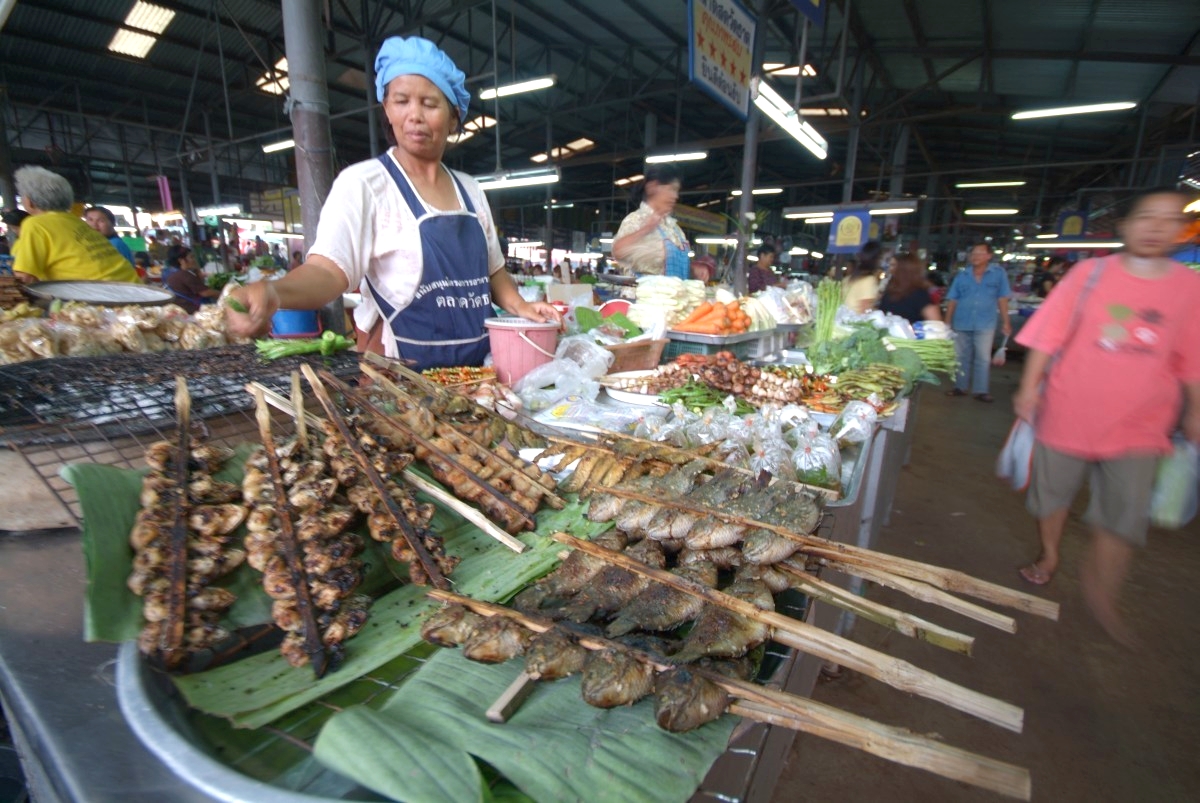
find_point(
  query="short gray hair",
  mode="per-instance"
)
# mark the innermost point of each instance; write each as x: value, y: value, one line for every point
x: 47, y: 190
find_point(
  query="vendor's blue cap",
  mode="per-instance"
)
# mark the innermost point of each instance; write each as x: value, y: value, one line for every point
x: 417, y: 56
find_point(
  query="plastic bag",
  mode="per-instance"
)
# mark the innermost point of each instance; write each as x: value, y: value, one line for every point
x: 1000, y: 354
x: 1174, y: 501
x: 1015, y: 463
x: 775, y: 459
x: 546, y: 384
x: 589, y: 357
x: 855, y: 423
x: 818, y: 461
x: 576, y: 409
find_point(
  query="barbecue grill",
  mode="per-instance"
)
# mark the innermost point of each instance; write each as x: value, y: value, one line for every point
x: 109, y: 409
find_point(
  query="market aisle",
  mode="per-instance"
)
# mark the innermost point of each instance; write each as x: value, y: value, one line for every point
x: 1101, y: 723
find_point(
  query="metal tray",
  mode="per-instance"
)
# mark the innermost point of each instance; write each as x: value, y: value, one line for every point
x: 101, y: 294
x: 717, y: 340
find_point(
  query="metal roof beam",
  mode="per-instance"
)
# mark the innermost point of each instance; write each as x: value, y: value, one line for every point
x: 953, y: 52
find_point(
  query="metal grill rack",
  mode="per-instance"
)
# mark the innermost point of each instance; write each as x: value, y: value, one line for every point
x: 109, y: 409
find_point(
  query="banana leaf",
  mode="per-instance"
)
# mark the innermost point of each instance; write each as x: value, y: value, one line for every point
x: 555, y: 747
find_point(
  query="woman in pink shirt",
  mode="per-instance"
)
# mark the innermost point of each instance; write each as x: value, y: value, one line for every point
x: 1124, y: 363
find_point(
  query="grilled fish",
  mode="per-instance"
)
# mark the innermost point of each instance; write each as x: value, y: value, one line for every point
x: 765, y: 547
x: 714, y: 533
x: 634, y: 516
x: 767, y: 572
x: 612, y: 677
x: 684, y: 701
x: 553, y: 655
x: 449, y: 626
x: 726, y: 557
x: 613, y: 586
x: 571, y: 575
x: 495, y: 640
x: 604, y: 507
x: 721, y: 633
x: 661, y: 607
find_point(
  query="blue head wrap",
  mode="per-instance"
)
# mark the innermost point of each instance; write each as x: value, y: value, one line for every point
x: 417, y: 56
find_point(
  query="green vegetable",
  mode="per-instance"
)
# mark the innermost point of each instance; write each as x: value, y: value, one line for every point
x: 218, y: 280
x: 622, y: 320
x: 236, y: 305
x: 862, y: 347
x: 587, y: 318
x: 697, y: 397
x: 829, y: 298
x: 326, y: 344
x: 937, y: 355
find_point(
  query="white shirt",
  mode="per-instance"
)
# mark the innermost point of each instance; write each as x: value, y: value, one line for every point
x: 368, y: 230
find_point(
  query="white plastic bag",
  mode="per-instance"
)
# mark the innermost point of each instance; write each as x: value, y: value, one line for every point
x: 818, y: 461
x: 1015, y: 463
x: 590, y: 357
x: 1174, y: 501
x: 855, y: 423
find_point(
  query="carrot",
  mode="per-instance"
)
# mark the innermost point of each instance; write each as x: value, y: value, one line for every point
x: 700, y: 329
x: 698, y: 313
x: 733, y: 307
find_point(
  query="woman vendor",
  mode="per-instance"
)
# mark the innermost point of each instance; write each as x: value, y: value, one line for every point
x: 417, y: 238
x: 649, y: 240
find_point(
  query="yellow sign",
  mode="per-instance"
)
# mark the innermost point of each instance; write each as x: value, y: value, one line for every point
x: 849, y: 231
x: 699, y: 220
x: 721, y: 46
x: 1072, y: 226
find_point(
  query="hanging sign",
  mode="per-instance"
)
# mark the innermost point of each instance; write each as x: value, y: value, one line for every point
x: 699, y: 220
x: 720, y: 51
x: 1071, y: 223
x: 813, y: 9
x: 848, y: 232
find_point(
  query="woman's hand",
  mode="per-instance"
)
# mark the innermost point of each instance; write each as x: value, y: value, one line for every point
x: 248, y: 309
x: 1025, y: 403
x: 539, y: 311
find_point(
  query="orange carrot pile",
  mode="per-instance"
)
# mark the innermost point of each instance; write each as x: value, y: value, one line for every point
x: 715, y: 318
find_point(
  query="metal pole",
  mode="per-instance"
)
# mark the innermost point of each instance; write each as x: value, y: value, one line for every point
x: 803, y: 57
x: 852, y: 140
x: 308, y: 104
x: 745, y: 231
x: 496, y: 84
x: 8, y: 189
x: 125, y: 164
x: 931, y: 185
x: 1137, y: 148
x: 212, y: 161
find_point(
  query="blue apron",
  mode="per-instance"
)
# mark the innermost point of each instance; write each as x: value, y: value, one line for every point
x: 443, y: 325
x: 678, y: 263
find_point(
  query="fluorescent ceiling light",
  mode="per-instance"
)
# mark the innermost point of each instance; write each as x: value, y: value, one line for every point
x: 506, y: 179
x: 818, y: 254
x: 708, y: 203
x: 621, y: 182
x: 760, y: 191
x: 772, y: 104
x: 779, y: 68
x: 131, y: 43
x: 531, y: 85
x: 606, y: 239
x: 798, y: 251
x: 1018, y: 236
x: 275, y: 82
x: 149, y: 17
x: 716, y: 240
x: 977, y: 184
x: 282, y: 145
x: 991, y: 211
x: 216, y: 211
x: 1062, y: 111
x: 558, y: 206
x: 472, y: 127
x: 1046, y: 236
x: 892, y: 210
x: 1078, y: 244
x: 821, y: 219
x: 691, y: 156
x: 566, y: 151
x: 527, y: 244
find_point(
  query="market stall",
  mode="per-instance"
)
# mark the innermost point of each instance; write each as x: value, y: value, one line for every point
x: 248, y: 709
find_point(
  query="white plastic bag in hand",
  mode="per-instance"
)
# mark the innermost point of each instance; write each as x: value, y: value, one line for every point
x: 1001, y: 354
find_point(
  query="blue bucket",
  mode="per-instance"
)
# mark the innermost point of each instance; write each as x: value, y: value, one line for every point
x: 295, y: 323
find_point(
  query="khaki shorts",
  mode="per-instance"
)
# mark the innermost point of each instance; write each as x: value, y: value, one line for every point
x: 1120, y: 490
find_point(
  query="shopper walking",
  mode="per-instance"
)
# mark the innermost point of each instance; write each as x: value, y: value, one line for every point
x: 861, y: 287
x: 649, y: 240
x: 1124, y: 335
x: 907, y: 293
x: 977, y: 301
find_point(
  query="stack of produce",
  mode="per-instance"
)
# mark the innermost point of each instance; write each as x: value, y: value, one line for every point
x: 664, y: 299
x: 715, y: 318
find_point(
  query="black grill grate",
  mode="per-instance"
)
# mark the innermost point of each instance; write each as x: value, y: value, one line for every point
x: 109, y: 409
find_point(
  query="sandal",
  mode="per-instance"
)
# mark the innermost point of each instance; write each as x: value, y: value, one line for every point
x: 984, y: 397
x: 1035, y: 575
x: 956, y: 392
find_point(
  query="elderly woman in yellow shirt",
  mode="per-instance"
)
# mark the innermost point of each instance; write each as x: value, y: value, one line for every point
x: 649, y: 239
x: 56, y: 244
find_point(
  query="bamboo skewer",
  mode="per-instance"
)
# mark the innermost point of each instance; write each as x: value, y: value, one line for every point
x: 927, y: 593
x: 893, y: 671
x: 411, y: 537
x: 170, y: 635
x: 410, y: 434
x: 904, y: 623
x: 937, y: 576
x: 808, y: 716
x: 298, y: 411
x: 410, y: 476
x: 287, y: 544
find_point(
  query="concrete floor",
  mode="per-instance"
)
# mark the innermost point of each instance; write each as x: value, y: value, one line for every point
x: 1101, y: 723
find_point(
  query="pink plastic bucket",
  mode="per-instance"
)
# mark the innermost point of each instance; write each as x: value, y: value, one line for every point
x: 520, y: 345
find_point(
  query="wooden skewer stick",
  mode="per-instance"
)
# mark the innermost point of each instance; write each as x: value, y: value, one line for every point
x: 897, y: 745
x: 170, y: 634
x: 287, y: 546
x: 927, y: 593
x: 900, y: 621
x: 937, y: 576
x: 298, y: 411
x: 414, y: 479
x: 802, y: 636
x: 409, y: 433
x: 808, y: 716
x: 411, y: 537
